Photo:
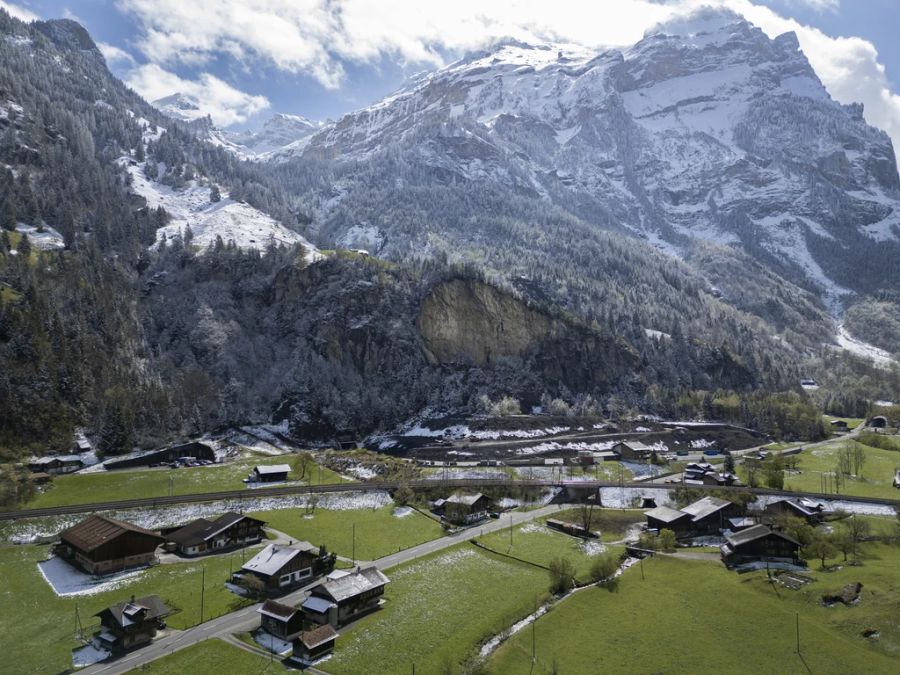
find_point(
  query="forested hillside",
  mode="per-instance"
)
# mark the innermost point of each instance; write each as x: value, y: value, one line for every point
x: 141, y: 339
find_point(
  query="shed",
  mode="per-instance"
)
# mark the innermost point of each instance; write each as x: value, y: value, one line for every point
x: 100, y: 545
x: 633, y: 450
x: 315, y: 644
x: 273, y: 473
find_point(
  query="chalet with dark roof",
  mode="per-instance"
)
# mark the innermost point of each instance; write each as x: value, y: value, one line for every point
x: 663, y: 517
x: 760, y: 544
x: 282, y: 621
x: 799, y: 507
x: 710, y: 515
x: 310, y: 646
x: 345, y: 598
x: 101, y: 545
x: 633, y: 451
x: 464, y: 508
x: 131, y: 624
x: 57, y: 464
x: 230, y: 530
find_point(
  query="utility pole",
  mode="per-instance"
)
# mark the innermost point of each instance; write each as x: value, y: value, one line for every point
x: 510, y: 529
x: 798, y: 632
x: 202, y: 589
x: 642, y: 567
x: 533, y: 642
x: 353, y: 556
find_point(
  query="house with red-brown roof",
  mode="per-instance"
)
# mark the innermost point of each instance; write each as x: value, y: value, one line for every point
x: 101, y: 545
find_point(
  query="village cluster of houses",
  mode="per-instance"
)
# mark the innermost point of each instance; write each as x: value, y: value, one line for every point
x: 747, y: 538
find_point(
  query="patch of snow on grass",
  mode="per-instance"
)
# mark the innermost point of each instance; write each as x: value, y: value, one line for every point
x: 88, y: 656
x: 403, y: 511
x: 271, y: 643
x: 66, y: 581
x: 591, y: 547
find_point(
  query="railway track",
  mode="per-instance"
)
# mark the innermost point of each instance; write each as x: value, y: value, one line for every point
x: 375, y: 486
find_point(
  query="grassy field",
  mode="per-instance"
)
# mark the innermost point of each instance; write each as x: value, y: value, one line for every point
x: 438, y: 610
x: 38, y: 626
x: 212, y: 657
x: 537, y: 543
x: 745, y: 624
x: 113, y: 485
x: 378, y: 532
x: 877, y: 472
x: 852, y: 422
x: 613, y: 524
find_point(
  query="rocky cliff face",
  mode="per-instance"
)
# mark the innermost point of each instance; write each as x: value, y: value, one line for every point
x: 466, y: 323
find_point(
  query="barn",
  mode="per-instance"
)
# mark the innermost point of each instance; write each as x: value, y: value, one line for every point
x: 274, y: 473
x: 227, y: 531
x: 101, y: 545
x: 760, y: 543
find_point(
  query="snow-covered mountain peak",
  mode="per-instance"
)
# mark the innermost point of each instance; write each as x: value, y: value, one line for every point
x: 705, y: 24
x: 179, y: 106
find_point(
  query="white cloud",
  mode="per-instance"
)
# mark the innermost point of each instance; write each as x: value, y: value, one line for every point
x: 19, y: 12
x: 214, y: 97
x: 114, y: 54
x: 316, y: 36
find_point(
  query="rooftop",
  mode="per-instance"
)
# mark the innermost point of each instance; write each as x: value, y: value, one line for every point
x: 272, y: 468
x: 273, y: 557
x: 277, y: 610
x: 352, y: 584
x: 754, y: 533
x: 149, y: 607
x: 665, y: 514
x: 463, y: 498
x: 314, y: 638
x: 705, y: 507
x: 200, y: 530
x: 94, y: 531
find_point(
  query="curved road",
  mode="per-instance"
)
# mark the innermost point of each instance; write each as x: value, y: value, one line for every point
x: 247, y: 618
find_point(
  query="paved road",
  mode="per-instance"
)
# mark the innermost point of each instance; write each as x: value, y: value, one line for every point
x: 247, y: 618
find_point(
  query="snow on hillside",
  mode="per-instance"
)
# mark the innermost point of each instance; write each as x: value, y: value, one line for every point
x: 47, y: 240
x: 855, y: 346
x: 231, y: 220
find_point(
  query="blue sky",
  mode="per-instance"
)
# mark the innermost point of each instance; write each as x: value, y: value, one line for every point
x: 245, y: 59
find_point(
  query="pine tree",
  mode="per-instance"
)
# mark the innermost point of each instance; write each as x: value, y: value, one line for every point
x: 8, y: 215
x: 24, y: 247
x: 214, y: 194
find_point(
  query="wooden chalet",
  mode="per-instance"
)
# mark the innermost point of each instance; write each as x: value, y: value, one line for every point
x: 230, y: 530
x: 464, y: 509
x: 312, y: 645
x: 101, y: 545
x: 282, y: 621
x: 799, y: 507
x: 839, y: 426
x: 633, y: 451
x: 131, y: 624
x: 664, y: 518
x: 281, y: 568
x: 342, y: 599
x: 709, y: 516
x: 272, y: 473
x: 760, y: 544
x: 56, y: 465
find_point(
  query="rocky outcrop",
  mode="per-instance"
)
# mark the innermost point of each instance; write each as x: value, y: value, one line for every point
x: 466, y: 322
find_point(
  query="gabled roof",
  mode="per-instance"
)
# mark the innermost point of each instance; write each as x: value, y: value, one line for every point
x: 317, y: 605
x: 94, y: 531
x: 754, y: 533
x: 636, y: 446
x: 200, y: 530
x: 665, y: 514
x: 273, y: 557
x: 466, y: 499
x: 276, y: 610
x: 136, y: 611
x: 272, y: 468
x: 314, y: 638
x: 705, y: 507
x: 351, y: 585
x: 803, y: 506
